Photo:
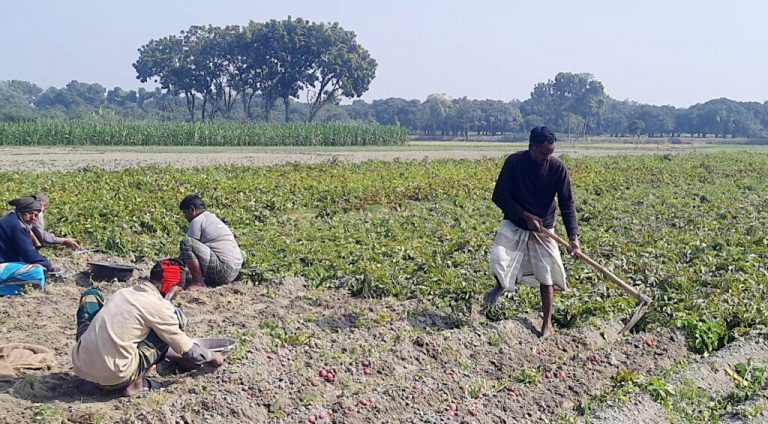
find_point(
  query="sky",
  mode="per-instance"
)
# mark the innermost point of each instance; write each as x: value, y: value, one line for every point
x: 662, y: 52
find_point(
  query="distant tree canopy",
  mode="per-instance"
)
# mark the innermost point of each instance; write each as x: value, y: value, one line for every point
x: 246, y: 82
x: 212, y: 67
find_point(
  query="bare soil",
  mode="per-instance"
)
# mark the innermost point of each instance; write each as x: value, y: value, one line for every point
x: 710, y: 376
x: 422, y: 363
x: 55, y: 159
x: 68, y: 158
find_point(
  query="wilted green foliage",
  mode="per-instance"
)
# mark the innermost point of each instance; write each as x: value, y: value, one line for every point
x: 689, y: 231
x: 71, y: 133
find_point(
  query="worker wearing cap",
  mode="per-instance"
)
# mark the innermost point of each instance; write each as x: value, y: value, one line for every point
x: 20, y: 263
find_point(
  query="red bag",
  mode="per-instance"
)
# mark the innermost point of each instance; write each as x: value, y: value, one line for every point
x: 174, y: 273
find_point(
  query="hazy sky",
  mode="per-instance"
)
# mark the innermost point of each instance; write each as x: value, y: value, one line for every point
x: 651, y: 51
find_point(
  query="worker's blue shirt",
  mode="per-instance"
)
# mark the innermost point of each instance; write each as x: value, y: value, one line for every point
x: 16, y: 243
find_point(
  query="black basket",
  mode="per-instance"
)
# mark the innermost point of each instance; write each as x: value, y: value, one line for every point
x: 105, y: 271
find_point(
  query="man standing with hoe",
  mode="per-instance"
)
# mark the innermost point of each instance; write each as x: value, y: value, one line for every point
x: 525, y: 192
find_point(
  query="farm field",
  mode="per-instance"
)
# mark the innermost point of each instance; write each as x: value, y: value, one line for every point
x: 358, y: 260
x: 51, y: 158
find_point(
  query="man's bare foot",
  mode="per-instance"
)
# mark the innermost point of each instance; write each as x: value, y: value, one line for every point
x: 140, y: 387
x: 546, y: 332
x: 493, y: 296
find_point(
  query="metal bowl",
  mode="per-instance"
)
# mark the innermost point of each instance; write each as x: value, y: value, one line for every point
x: 217, y: 345
x: 106, y: 271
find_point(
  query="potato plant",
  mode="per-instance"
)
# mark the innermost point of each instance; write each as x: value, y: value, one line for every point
x: 689, y: 231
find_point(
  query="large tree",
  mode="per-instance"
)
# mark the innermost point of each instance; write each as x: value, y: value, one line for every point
x: 342, y: 67
x: 17, y: 99
x: 568, y: 94
x: 290, y: 58
x: 75, y: 98
x: 169, y: 61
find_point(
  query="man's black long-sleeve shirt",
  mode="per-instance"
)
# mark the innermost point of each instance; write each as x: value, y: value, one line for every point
x: 524, y: 185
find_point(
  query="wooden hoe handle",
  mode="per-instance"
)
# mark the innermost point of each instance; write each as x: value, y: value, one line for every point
x: 603, y: 270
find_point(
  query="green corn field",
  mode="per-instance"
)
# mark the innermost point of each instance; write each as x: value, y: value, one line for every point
x: 63, y: 133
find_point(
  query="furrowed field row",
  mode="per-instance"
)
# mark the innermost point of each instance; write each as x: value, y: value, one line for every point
x: 689, y: 231
x: 62, y: 133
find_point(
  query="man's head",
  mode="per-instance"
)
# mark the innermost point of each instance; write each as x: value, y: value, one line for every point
x: 541, y: 144
x: 28, y: 208
x: 43, y: 198
x: 166, y: 275
x: 192, y: 206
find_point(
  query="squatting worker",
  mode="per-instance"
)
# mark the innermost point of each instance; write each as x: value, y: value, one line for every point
x: 119, y: 341
x: 525, y: 192
x: 209, y: 250
x: 20, y: 263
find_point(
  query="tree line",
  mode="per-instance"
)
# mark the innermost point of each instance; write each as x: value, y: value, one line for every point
x: 240, y: 73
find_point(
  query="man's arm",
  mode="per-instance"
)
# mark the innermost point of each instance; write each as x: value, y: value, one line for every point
x: 507, y: 204
x: 568, y: 211
x: 199, y: 355
x: 27, y: 251
x: 195, y: 229
x: 45, y: 237
x: 501, y: 196
x: 165, y: 323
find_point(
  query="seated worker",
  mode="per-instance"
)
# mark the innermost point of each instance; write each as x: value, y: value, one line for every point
x: 44, y: 237
x: 119, y: 341
x: 209, y: 250
x: 20, y: 263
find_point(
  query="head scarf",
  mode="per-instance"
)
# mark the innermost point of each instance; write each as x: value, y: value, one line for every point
x: 26, y: 204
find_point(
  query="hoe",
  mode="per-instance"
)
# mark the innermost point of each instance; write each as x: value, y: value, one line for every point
x: 645, y: 301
